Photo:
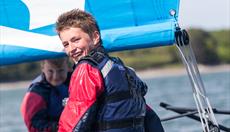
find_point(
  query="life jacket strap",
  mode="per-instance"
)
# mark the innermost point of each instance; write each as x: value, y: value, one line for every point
x: 94, y: 57
x: 122, y: 123
x: 118, y: 96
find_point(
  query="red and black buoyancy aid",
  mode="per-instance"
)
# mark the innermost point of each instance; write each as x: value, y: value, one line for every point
x: 42, y: 104
x: 121, y: 107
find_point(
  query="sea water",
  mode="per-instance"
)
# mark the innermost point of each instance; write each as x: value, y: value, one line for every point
x: 174, y: 90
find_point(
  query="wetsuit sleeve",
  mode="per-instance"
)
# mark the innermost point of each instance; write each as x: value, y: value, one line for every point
x: 35, y: 114
x: 152, y: 121
x: 86, y: 86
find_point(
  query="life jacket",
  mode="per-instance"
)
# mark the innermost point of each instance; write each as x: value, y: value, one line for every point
x: 57, y: 95
x: 122, y: 106
x: 52, y: 95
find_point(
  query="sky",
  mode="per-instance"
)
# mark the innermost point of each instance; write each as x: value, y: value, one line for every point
x: 205, y: 14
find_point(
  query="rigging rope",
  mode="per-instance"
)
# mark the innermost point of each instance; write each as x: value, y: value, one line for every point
x: 207, y: 118
x: 208, y: 121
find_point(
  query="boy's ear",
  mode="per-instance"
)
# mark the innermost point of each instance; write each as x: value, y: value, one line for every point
x: 96, y: 37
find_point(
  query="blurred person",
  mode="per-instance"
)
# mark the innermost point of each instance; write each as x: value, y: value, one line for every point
x: 42, y: 104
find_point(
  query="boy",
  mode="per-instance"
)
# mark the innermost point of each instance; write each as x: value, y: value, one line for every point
x: 104, y: 95
x: 42, y: 104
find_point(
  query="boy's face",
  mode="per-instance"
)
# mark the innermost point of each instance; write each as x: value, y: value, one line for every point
x: 55, y: 75
x: 77, y: 43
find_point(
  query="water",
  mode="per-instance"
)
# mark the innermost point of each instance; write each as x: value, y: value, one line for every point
x: 175, y: 90
x: 10, y: 117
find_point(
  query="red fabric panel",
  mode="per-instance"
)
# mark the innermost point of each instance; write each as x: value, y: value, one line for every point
x: 148, y: 107
x: 31, y: 104
x: 85, y: 86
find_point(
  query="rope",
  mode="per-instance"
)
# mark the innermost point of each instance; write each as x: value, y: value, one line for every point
x: 208, y: 121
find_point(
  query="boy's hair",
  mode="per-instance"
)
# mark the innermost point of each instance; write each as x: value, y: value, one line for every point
x: 58, y: 62
x: 78, y: 19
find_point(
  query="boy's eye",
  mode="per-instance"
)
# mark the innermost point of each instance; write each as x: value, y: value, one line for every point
x: 65, y: 44
x: 50, y: 71
x: 61, y: 70
x: 75, y: 39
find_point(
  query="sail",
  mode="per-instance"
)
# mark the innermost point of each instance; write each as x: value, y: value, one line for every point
x: 27, y: 30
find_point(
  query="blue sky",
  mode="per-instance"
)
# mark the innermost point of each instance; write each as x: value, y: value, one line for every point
x: 206, y: 14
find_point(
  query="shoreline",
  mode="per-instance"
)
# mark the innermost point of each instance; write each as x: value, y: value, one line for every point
x: 144, y: 74
x: 178, y: 71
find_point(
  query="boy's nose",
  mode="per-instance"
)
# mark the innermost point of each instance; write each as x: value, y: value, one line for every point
x: 70, y: 48
x: 56, y: 75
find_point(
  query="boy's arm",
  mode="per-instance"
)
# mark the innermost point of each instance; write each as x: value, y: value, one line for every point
x: 35, y: 114
x: 152, y: 121
x: 86, y: 86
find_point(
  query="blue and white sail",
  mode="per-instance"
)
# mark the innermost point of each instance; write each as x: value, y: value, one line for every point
x: 28, y: 32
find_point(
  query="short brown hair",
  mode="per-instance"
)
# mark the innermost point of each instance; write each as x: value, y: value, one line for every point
x: 78, y: 19
x: 58, y: 62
